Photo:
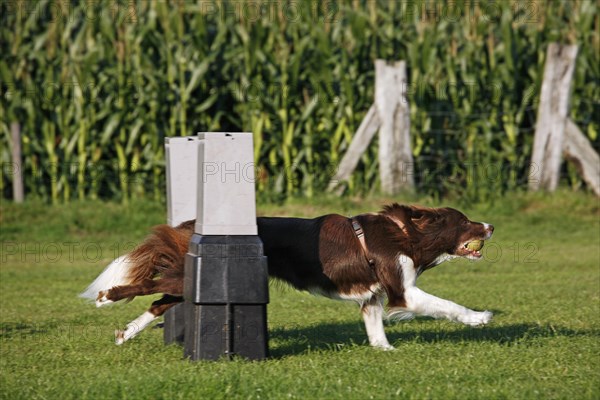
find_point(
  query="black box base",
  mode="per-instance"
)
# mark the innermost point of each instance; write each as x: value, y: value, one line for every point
x: 224, y: 331
x: 174, y: 325
x: 225, y: 299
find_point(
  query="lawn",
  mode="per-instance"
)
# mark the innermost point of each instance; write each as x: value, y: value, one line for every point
x: 540, y: 277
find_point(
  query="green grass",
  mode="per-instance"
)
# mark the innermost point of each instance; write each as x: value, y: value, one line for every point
x: 540, y: 277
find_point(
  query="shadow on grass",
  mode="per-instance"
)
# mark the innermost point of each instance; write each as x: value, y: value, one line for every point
x: 297, y: 340
x: 10, y: 330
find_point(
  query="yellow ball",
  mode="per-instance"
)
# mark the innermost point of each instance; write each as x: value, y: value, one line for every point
x: 475, y: 245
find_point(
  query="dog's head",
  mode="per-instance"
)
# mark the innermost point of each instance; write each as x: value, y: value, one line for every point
x: 452, y: 229
x: 442, y: 230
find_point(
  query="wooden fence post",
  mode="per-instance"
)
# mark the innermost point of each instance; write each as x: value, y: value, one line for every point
x: 367, y: 129
x: 579, y: 151
x: 395, y: 156
x: 390, y: 116
x: 552, y: 116
x: 17, y: 159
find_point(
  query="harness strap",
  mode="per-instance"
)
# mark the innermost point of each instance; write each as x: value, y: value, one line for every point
x: 360, y: 234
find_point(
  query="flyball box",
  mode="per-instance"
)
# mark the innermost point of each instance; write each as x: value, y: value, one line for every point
x: 226, y: 277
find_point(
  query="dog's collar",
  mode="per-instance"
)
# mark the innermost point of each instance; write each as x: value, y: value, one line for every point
x: 360, y: 234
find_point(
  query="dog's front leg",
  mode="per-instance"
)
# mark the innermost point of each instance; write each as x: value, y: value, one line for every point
x: 421, y: 303
x: 372, y: 312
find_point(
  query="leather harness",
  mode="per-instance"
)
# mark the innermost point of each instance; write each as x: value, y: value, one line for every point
x: 360, y: 234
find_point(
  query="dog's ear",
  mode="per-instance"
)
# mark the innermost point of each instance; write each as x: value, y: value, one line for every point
x: 418, y: 217
x: 421, y: 213
x: 416, y: 212
x: 401, y: 212
x: 421, y: 216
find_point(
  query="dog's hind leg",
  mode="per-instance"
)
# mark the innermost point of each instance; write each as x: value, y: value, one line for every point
x: 157, y: 309
x: 117, y: 293
x: 372, y: 312
x: 167, y: 286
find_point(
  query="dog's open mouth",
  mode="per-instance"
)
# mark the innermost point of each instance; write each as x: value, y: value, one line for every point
x: 472, y: 249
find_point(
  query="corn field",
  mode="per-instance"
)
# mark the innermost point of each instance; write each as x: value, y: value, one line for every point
x: 96, y: 86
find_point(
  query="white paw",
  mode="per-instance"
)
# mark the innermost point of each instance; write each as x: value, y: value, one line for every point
x: 130, y: 331
x: 119, y: 337
x: 383, y: 346
x: 475, y: 318
x: 102, y: 300
x: 387, y: 347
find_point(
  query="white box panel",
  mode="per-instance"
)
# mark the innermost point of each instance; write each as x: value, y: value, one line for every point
x: 226, y: 196
x: 181, y: 156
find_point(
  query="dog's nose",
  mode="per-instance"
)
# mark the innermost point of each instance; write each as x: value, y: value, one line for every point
x: 491, y: 228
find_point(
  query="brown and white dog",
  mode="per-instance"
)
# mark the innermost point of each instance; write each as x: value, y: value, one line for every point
x: 367, y: 259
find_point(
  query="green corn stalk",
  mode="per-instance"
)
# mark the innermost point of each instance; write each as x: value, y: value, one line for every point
x: 81, y: 149
x: 123, y: 174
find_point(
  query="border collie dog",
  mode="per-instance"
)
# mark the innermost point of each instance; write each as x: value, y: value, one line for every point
x: 366, y: 258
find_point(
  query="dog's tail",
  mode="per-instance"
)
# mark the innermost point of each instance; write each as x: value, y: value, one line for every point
x: 115, y: 274
x: 162, y: 253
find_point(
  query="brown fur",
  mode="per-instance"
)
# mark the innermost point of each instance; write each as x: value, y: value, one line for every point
x: 342, y: 257
x: 162, y: 253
